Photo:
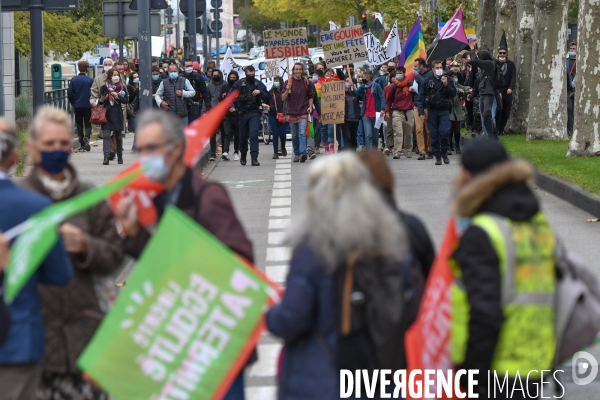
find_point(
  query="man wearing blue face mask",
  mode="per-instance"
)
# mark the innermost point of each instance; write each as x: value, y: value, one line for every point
x: 172, y: 92
x: 161, y: 147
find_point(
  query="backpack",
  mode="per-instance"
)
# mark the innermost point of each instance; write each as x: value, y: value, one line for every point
x: 577, y: 304
x: 498, y: 78
x: 379, y: 300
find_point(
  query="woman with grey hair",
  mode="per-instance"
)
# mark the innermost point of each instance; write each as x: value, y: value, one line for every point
x: 345, y: 212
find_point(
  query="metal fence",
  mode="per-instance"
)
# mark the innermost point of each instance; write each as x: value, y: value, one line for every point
x: 58, y: 98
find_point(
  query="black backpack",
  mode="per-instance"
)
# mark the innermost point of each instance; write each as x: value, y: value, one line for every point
x: 379, y: 300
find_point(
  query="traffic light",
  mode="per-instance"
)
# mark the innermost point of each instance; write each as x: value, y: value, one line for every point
x: 200, y: 7
x: 154, y: 4
x: 216, y: 25
x: 364, y: 23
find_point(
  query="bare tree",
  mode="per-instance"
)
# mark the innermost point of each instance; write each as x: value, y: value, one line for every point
x: 486, y: 22
x: 586, y: 133
x: 523, y: 60
x: 548, y: 94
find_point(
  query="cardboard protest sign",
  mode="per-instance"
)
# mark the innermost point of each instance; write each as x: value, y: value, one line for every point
x: 333, y: 108
x: 185, y: 323
x: 271, y: 68
x: 281, y: 43
x: 344, y: 46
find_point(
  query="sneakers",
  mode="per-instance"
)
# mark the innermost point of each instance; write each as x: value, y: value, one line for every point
x: 303, y: 158
x: 408, y: 154
x: 421, y: 157
x: 212, y: 157
x: 438, y: 161
x: 284, y: 152
x: 386, y: 151
x: 86, y: 144
x: 236, y: 156
x: 429, y: 155
x: 359, y: 149
x: 225, y: 156
x: 80, y: 149
x: 313, y: 156
x: 275, y: 156
x: 445, y: 158
x: 296, y: 158
x: 317, y: 151
x: 396, y: 156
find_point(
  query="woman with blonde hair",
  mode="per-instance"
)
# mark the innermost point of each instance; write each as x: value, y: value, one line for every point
x: 72, y: 313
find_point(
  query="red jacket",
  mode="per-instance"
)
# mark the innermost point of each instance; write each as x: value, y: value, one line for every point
x: 396, y: 99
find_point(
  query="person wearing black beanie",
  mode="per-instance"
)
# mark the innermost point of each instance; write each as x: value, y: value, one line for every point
x: 504, y: 269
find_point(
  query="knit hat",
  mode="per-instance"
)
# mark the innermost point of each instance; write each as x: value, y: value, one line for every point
x: 479, y: 155
x: 196, y: 65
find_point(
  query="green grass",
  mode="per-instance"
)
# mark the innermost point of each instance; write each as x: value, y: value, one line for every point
x: 22, y: 137
x: 550, y: 156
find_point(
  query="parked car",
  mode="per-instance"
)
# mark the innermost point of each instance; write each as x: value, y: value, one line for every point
x: 255, y: 52
x: 235, y: 48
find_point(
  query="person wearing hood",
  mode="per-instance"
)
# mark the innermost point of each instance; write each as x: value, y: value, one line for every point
x: 214, y: 90
x: 73, y: 313
x: 487, y: 93
x: 504, y: 270
x: 230, y: 126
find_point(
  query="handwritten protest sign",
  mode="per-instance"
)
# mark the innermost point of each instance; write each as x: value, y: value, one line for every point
x: 332, y: 102
x: 271, y: 68
x: 285, y: 43
x: 185, y: 324
x: 344, y: 46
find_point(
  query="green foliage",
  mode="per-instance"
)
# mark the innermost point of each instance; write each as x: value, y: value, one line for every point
x: 549, y: 156
x: 21, y: 140
x: 65, y: 33
x: 312, y: 40
x: 23, y: 107
x: 573, y: 11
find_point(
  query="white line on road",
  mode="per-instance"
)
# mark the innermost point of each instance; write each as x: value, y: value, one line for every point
x: 282, y: 185
x: 280, y: 212
x: 267, y: 360
x: 283, y: 171
x: 279, y: 223
x: 284, y: 161
x: 280, y: 202
x: 281, y: 166
x: 261, y: 393
x: 279, y: 254
x: 276, y: 238
x: 283, y: 177
x: 277, y: 273
x: 281, y: 192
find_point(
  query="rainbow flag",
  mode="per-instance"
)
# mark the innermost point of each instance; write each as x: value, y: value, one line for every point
x: 414, y: 47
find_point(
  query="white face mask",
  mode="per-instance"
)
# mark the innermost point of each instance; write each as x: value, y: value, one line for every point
x: 439, y: 72
x: 107, y: 68
x: 189, y: 70
x: 155, y: 168
x: 115, y: 79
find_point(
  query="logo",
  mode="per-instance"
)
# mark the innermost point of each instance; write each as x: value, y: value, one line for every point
x: 584, y: 368
x: 452, y: 28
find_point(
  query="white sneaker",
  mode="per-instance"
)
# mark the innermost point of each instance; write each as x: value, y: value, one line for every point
x: 359, y: 149
x: 225, y: 156
x: 236, y: 157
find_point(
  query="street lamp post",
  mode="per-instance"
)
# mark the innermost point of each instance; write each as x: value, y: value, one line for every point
x: 247, y: 34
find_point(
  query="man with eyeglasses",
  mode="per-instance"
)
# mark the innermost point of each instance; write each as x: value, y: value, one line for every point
x: 160, y: 143
x: 510, y: 79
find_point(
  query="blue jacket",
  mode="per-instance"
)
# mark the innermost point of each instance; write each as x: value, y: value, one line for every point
x: 79, y: 91
x: 25, y: 342
x: 376, y: 91
x: 308, y: 307
x: 450, y: 91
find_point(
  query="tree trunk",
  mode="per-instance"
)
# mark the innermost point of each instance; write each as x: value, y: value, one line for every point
x: 506, y: 21
x: 586, y: 132
x: 486, y: 22
x: 548, y: 98
x: 523, y: 60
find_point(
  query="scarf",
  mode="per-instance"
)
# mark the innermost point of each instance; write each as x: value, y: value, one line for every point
x: 368, y: 85
x: 403, y: 84
x: 56, y: 189
x: 117, y: 88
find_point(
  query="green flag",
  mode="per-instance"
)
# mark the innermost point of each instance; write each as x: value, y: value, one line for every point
x: 185, y: 323
x: 40, y: 234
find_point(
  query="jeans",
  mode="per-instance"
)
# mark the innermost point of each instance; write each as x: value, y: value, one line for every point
x: 360, y: 134
x: 249, y: 125
x: 339, y: 134
x: 231, y: 132
x: 185, y: 120
x: 326, y: 134
x: 106, y: 142
x: 438, y: 122
x: 299, y: 136
x: 371, y: 136
x: 279, y: 131
x: 82, y: 117
x: 487, y: 107
x: 193, y: 114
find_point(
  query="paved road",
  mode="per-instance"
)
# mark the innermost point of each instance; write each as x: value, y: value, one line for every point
x: 268, y: 199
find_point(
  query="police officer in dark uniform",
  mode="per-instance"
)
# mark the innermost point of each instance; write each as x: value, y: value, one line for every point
x: 195, y: 103
x: 436, y: 94
x: 248, y: 106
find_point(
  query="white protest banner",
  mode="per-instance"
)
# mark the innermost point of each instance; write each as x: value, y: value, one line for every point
x: 229, y: 64
x: 333, y: 108
x: 375, y: 50
x: 285, y: 43
x: 344, y: 46
x: 271, y: 68
x: 392, y: 43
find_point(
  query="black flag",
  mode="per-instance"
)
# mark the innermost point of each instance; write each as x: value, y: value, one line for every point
x: 450, y: 41
x: 503, y: 41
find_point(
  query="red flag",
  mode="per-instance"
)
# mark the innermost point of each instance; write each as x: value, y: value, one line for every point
x: 427, y: 341
x: 197, y: 134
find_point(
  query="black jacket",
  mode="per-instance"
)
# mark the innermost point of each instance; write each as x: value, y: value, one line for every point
x: 200, y: 87
x: 503, y: 191
x: 488, y: 66
x: 510, y: 75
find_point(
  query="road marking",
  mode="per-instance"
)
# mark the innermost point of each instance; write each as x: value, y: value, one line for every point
x: 280, y: 212
x: 276, y: 237
x: 280, y: 202
x: 279, y: 254
x: 283, y: 177
x: 282, y: 185
x: 261, y: 393
x: 281, y: 192
x: 277, y: 273
x: 241, y: 182
x: 283, y: 171
x: 283, y: 161
x: 279, y: 223
x: 282, y: 166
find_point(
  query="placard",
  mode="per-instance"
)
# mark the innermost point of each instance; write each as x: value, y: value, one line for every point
x: 282, y: 43
x: 333, y: 108
x: 271, y: 68
x: 344, y: 46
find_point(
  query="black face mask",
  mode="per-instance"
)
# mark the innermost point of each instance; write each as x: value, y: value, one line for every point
x: 250, y: 79
x: 232, y: 82
x: 217, y: 78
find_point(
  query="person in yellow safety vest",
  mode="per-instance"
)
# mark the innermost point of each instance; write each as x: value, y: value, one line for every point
x: 504, y: 275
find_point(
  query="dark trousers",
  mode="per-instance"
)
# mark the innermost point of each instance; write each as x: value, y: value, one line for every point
x: 82, y: 117
x: 454, y: 137
x: 231, y: 131
x: 570, y: 111
x: 503, y: 115
x: 469, y: 108
x: 438, y: 123
x: 350, y: 128
x: 249, y: 125
x: 279, y: 131
x: 486, y: 101
x: 193, y: 114
x: 106, y: 139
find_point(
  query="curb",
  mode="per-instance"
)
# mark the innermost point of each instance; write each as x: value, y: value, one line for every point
x: 204, y: 159
x: 569, y: 192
